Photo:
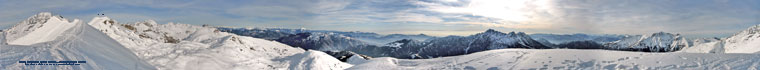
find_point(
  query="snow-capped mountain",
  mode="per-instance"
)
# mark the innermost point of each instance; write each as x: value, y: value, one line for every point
x: 393, y: 37
x: 564, y: 38
x: 321, y: 41
x: 51, y: 38
x: 657, y: 42
x: 406, y: 48
x: 488, y: 40
x: 747, y: 41
x: 184, y: 46
x: 269, y: 34
x: 410, y: 48
x: 366, y: 37
x: 39, y: 28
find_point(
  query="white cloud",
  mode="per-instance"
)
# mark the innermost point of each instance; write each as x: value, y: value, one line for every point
x: 605, y: 16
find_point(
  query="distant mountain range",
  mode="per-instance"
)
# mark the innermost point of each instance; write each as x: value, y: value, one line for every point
x: 423, y: 46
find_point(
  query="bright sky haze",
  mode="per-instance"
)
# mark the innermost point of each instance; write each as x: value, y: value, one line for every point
x: 693, y: 18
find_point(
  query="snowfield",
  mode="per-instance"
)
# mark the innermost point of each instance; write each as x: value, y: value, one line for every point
x: 509, y: 59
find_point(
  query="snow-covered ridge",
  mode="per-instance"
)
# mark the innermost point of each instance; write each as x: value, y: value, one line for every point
x: 565, y: 38
x: 657, y: 42
x: 184, y: 46
x: 39, y: 28
x: 321, y: 41
x: 747, y: 41
x: 276, y: 33
x: 64, y: 41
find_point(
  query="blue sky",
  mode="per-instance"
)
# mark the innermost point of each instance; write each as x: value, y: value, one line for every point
x: 694, y: 18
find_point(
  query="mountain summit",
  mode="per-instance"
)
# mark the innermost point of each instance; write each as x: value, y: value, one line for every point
x: 491, y: 31
x: 39, y: 28
x: 656, y: 42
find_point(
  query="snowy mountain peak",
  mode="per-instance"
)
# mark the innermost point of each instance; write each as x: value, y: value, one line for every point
x: 39, y: 28
x: 751, y: 30
x: 656, y: 42
x: 493, y: 32
x: 39, y: 18
x: 743, y: 42
x: 521, y: 33
x: 663, y: 34
x: 401, y: 42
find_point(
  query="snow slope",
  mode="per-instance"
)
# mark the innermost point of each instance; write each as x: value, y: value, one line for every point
x: 39, y: 28
x: 518, y: 59
x: 184, y: 46
x: 313, y: 60
x: 709, y: 47
x: 76, y: 42
x: 747, y: 41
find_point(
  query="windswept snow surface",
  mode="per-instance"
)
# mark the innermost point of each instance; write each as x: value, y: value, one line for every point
x: 313, y: 60
x: 517, y: 59
x: 709, y: 47
x: 183, y: 46
x: 78, y: 42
